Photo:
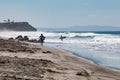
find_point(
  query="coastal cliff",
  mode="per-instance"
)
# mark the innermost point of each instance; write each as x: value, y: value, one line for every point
x: 17, y: 26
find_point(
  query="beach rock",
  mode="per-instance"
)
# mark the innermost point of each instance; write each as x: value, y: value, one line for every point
x: 12, y: 50
x: 46, y: 52
x: 20, y: 38
x: 34, y: 40
x: 11, y: 38
x: 26, y: 38
x: 29, y: 50
x: 83, y: 73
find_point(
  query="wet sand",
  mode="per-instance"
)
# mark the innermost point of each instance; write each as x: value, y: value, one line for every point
x: 25, y: 61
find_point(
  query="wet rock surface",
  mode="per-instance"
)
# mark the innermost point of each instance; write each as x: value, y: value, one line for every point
x: 25, y: 38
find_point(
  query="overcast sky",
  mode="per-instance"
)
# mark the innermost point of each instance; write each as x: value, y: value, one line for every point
x: 62, y: 13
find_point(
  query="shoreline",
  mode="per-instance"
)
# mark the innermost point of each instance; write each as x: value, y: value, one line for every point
x: 87, y: 59
x: 94, y: 62
x: 90, y: 60
x: 23, y: 60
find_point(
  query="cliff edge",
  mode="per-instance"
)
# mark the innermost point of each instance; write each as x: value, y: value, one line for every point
x: 17, y: 26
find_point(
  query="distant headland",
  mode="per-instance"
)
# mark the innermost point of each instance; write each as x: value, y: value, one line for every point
x: 16, y: 26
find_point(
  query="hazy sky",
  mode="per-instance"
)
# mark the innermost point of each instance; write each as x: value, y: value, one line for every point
x: 62, y: 13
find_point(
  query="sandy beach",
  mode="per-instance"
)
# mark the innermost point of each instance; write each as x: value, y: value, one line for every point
x: 25, y: 61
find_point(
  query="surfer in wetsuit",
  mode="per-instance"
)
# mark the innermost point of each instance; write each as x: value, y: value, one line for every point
x: 42, y: 38
x: 62, y: 37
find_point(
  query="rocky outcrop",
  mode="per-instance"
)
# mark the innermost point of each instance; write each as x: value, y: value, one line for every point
x: 17, y: 26
x: 24, y: 38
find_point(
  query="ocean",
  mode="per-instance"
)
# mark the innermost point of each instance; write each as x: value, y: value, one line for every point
x: 103, y: 48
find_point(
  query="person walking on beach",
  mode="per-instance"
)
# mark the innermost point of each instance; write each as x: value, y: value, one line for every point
x: 42, y: 38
